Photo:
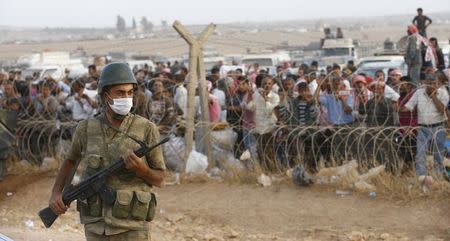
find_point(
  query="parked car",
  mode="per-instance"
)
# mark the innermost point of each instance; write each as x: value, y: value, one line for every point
x: 370, y: 65
x: 54, y: 71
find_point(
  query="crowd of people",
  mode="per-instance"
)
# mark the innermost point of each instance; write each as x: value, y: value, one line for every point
x: 266, y: 110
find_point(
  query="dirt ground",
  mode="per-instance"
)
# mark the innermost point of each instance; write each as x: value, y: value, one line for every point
x: 215, y: 210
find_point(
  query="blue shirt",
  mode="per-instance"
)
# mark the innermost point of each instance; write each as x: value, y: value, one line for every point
x: 336, y: 113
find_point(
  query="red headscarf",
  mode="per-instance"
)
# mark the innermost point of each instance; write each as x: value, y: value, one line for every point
x: 413, y: 29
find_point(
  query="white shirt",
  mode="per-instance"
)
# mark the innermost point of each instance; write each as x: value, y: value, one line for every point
x: 427, y: 113
x: 79, y: 111
x: 390, y: 93
x: 265, y: 119
x: 275, y: 88
x: 180, y: 99
x: 63, y: 86
x: 221, y: 98
x: 313, y: 86
x: 91, y: 93
x: 148, y: 94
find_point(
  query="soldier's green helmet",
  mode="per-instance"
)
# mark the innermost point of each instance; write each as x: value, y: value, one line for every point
x: 114, y: 74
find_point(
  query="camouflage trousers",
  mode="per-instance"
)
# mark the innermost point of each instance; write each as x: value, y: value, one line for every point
x: 131, y: 235
x: 2, y: 169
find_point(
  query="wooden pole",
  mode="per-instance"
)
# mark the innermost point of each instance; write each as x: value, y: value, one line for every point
x: 197, y: 72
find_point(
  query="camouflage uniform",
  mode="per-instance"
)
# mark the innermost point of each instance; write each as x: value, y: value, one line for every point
x: 97, y: 145
x: 8, y: 118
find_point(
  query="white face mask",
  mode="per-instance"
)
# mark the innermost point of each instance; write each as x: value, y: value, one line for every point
x: 122, y: 106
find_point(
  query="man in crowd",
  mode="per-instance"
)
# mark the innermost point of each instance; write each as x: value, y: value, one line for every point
x: 45, y: 104
x: 263, y: 103
x: 361, y: 94
x: 80, y: 104
x: 92, y: 72
x: 408, y: 122
x: 430, y: 103
x: 351, y: 65
x: 378, y: 109
x: 338, y: 103
x: 394, y: 79
x: 160, y: 109
x: 180, y: 94
x: 248, y: 118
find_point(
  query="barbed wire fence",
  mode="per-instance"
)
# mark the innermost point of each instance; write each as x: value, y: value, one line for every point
x: 313, y: 146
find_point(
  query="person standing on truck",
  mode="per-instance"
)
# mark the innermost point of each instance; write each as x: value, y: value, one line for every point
x: 99, y: 141
x: 413, y: 54
x: 420, y: 21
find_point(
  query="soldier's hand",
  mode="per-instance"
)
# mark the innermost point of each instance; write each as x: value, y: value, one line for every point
x: 134, y: 163
x: 56, y: 204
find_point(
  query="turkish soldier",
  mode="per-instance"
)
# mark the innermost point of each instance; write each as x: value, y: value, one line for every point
x: 6, y: 139
x: 99, y: 141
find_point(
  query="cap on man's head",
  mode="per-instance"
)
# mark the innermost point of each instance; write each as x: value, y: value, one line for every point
x: 376, y: 83
x: 412, y: 28
x: 359, y: 78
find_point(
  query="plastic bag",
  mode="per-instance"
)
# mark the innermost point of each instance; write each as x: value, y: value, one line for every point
x: 224, y: 139
x: 301, y: 177
x: 196, y: 163
x: 173, y: 152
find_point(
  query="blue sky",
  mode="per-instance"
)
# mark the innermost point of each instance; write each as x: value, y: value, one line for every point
x: 102, y: 13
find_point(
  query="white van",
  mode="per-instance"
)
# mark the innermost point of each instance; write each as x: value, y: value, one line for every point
x: 54, y: 71
x: 338, y: 51
x: 266, y: 60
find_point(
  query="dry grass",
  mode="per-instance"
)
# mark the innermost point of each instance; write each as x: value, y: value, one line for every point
x: 401, y: 189
x: 407, y: 187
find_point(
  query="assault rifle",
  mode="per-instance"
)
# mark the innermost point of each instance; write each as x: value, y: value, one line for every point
x: 94, y: 184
